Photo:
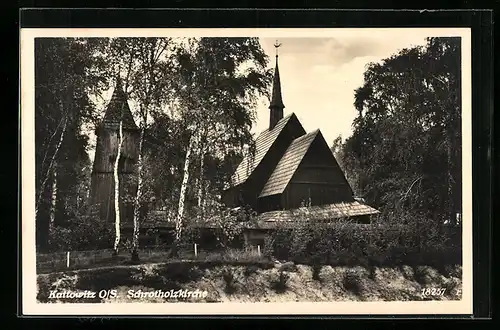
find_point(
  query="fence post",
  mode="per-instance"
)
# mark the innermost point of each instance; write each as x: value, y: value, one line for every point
x: 195, y: 250
x: 258, y: 249
x: 67, y: 259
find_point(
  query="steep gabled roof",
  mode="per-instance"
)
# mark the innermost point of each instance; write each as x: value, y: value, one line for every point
x: 262, y: 145
x: 288, y: 165
x: 118, y: 106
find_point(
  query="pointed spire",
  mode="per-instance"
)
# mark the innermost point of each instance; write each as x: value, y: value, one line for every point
x: 119, y: 84
x: 276, y: 106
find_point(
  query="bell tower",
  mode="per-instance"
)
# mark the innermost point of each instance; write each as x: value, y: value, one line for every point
x: 102, y: 181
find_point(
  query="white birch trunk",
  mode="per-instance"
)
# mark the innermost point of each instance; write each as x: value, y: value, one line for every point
x: 117, y: 189
x: 201, y: 181
x: 182, y: 196
x: 51, y: 165
x: 138, y: 197
x: 203, y: 149
x: 53, y: 202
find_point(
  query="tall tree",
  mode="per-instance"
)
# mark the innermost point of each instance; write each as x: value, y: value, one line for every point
x: 406, y: 142
x: 117, y: 189
x: 217, y: 83
x: 148, y: 77
x: 66, y: 72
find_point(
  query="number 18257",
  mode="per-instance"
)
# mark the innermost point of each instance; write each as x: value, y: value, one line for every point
x: 433, y: 292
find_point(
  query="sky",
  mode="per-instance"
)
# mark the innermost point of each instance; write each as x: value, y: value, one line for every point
x: 319, y: 77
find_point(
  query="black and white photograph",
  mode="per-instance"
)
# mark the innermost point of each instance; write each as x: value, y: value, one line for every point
x: 289, y: 169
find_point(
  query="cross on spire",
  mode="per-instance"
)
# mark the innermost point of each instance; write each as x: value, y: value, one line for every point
x: 277, y: 45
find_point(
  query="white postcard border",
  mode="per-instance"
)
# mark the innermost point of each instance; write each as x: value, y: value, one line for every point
x: 29, y: 287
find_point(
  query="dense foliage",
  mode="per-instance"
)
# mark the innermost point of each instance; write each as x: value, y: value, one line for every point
x: 178, y: 89
x: 65, y: 74
x: 404, y: 156
x: 405, y: 151
x: 419, y: 241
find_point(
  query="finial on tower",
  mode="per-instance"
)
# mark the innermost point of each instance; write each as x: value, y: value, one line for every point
x: 277, y: 45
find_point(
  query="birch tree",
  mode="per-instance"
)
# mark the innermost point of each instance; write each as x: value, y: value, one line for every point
x: 46, y: 174
x: 66, y: 73
x: 117, y: 188
x: 185, y: 180
x: 53, y: 202
x: 218, y: 81
x: 148, y: 80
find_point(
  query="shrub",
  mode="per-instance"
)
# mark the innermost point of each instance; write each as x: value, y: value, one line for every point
x: 251, y: 269
x: 451, y: 286
x: 392, y: 240
x: 280, y: 284
x: 288, y: 267
x: 236, y: 256
x: 269, y: 243
x: 353, y: 282
x: 84, y: 232
x: 228, y: 223
x: 229, y: 279
x: 316, y: 271
x: 180, y: 272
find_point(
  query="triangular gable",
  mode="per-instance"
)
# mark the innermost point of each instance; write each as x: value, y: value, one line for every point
x: 262, y: 145
x: 288, y: 165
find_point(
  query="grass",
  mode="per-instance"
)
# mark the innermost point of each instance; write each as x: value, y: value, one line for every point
x: 56, y: 262
x: 233, y: 283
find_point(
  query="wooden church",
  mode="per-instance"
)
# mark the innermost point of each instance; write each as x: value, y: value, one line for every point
x: 292, y: 172
x: 102, y: 189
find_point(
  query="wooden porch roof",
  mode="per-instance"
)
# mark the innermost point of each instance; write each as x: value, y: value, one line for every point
x: 317, y: 213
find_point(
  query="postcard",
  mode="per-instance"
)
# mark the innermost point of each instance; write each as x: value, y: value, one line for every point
x: 246, y: 171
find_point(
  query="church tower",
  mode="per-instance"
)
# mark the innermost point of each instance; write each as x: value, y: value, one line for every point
x: 276, y: 106
x: 102, y: 182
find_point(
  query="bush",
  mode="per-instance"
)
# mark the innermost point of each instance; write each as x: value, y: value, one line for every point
x: 228, y: 277
x: 288, y: 267
x: 228, y: 223
x: 316, y: 271
x: 84, y: 232
x: 280, y: 284
x: 251, y: 269
x: 180, y: 272
x: 353, y: 282
x: 236, y: 256
x: 410, y: 239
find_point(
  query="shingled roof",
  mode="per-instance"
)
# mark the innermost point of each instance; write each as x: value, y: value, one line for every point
x: 315, y: 213
x: 117, y: 107
x: 262, y: 145
x: 288, y: 164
